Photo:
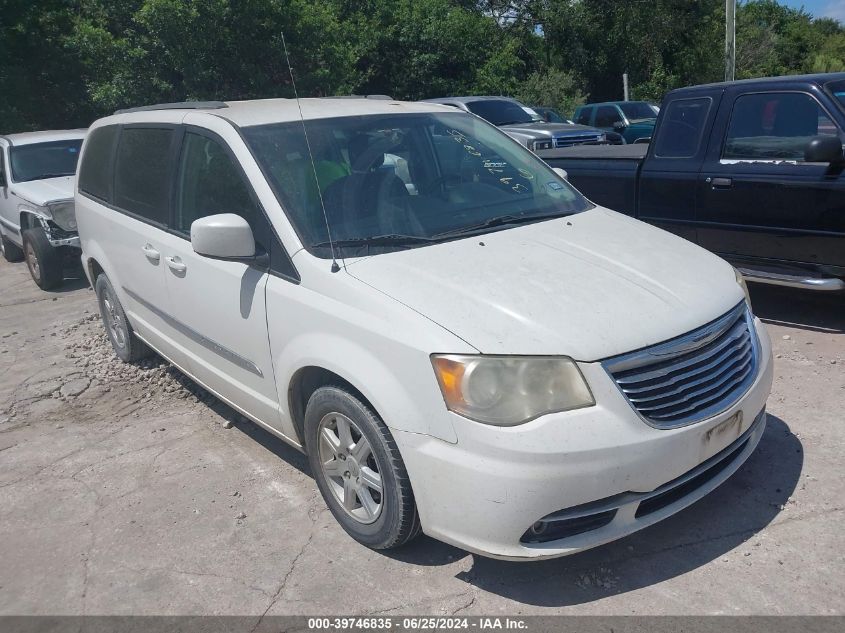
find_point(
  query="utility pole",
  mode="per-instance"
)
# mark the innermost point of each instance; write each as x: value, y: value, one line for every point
x: 625, y: 85
x: 730, y: 39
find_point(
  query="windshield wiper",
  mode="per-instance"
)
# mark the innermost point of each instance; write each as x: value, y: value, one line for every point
x: 45, y: 176
x: 501, y: 220
x: 377, y: 240
x: 512, y: 123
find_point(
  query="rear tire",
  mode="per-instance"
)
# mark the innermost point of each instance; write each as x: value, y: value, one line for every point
x: 128, y: 347
x: 359, y: 470
x: 11, y: 251
x: 45, y: 263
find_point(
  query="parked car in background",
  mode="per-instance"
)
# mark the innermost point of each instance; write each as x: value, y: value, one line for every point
x: 752, y: 170
x: 524, y: 124
x: 37, y: 221
x: 549, y: 115
x: 634, y: 120
x: 464, y: 346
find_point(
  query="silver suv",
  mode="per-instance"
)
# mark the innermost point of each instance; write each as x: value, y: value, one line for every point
x: 523, y: 124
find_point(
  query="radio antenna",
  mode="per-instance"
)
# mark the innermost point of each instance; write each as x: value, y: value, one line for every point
x: 335, y: 267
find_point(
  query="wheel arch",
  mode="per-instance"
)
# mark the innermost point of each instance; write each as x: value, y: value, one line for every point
x: 402, y: 392
x: 93, y: 269
x: 304, y: 382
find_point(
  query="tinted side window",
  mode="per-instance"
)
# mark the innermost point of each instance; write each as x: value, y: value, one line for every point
x: 584, y: 116
x: 606, y: 116
x: 679, y: 133
x: 210, y: 183
x: 95, y: 170
x: 142, y: 173
x: 775, y: 126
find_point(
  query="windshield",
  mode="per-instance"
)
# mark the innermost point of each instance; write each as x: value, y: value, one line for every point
x: 549, y: 115
x: 837, y: 89
x: 637, y: 110
x: 406, y: 179
x: 44, y: 160
x: 500, y: 111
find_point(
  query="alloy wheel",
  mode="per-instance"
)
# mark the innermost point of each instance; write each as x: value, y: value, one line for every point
x: 114, y: 322
x: 32, y: 261
x: 350, y: 467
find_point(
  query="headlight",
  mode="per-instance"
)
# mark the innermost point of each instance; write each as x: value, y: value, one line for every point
x: 544, y: 144
x: 741, y: 281
x: 64, y: 215
x: 510, y: 390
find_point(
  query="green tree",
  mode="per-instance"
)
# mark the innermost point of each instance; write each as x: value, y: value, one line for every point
x: 41, y: 83
x: 554, y: 88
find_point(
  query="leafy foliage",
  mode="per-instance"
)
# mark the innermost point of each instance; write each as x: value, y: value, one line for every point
x: 65, y: 62
x: 553, y: 88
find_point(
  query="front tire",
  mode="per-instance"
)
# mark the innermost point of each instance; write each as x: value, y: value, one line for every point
x: 11, y: 251
x: 45, y: 263
x: 359, y: 470
x: 128, y: 347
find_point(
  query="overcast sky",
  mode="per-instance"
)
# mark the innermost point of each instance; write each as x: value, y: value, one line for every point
x: 821, y: 8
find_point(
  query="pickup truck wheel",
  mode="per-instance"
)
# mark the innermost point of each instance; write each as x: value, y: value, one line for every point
x: 11, y: 251
x: 359, y: 470
x: 128, y: 347
x: 45, y: 263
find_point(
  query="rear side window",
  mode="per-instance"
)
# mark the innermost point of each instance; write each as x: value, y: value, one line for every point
x: 775, y: 126
x: 95, y: 170
x: 680, y: 132
x: 142, y: 173
x: 210, y: 183
x: 583, y: 117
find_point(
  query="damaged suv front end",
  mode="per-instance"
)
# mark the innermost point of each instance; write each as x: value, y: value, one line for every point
x: 37, y: 216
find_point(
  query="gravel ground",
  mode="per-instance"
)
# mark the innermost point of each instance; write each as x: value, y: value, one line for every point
x: 123, y: 492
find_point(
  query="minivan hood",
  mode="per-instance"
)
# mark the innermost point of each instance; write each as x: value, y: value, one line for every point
x: 589, y: 286
x: 42, y: 192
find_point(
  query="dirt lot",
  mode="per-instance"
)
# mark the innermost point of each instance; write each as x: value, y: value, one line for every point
x: 121, y: 492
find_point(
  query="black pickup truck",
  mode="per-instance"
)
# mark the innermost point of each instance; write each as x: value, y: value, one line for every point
x: 752, y: 170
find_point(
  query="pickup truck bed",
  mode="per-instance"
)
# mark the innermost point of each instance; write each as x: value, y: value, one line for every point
x: 752, y: 170
x: 606, y: 174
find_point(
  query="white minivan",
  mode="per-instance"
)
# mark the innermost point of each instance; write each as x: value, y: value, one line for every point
x: 461, y: 342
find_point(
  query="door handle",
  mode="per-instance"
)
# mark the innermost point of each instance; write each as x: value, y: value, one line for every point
x: 720, y: 183
x: 176, y: 264
x: 152, y: 254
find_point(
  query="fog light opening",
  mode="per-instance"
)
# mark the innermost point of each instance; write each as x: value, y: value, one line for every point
x: 553, y: 528
x: 539, y: 527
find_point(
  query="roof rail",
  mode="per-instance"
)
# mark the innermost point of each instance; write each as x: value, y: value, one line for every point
x: 182, y: 105
x: 374, y: 97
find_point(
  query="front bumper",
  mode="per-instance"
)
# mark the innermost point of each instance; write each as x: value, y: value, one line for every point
x: 483, y: 493
x: 59, y: 237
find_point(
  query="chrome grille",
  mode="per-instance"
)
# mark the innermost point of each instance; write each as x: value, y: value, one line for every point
x: 577, y: 139
x: 692, y: 377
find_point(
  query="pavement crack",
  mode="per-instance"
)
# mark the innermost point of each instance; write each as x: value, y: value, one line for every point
x: 281, y: 589
x: 463, y: 607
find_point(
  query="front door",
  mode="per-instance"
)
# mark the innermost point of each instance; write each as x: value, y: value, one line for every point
x: 668, y: 178
x: 220, y: 304
x: 759, y: 199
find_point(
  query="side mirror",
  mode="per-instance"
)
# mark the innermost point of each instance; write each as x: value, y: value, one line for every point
x: 3, y: 182
x: 223, y: 236
x: 824, y: 149
x: 561, y: 172
x: 619, y: 125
